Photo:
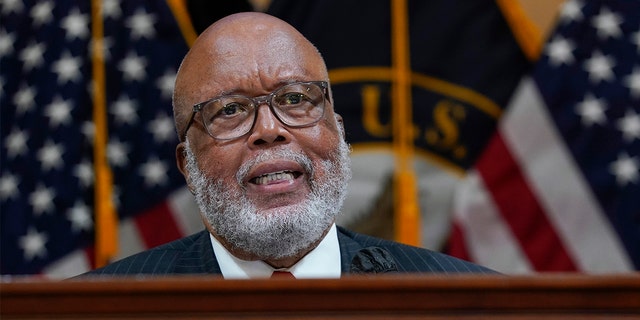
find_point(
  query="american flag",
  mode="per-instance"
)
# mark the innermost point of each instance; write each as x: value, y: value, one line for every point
x: 46, y: 175
x: 558, y: 187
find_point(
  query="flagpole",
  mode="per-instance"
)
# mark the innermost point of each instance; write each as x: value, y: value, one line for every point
x: 106, y: 219
x: 181, y: 14
x: 529, y: 37
x: 407, y: 212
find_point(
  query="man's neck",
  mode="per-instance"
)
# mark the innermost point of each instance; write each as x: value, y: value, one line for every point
x: 285, y: 262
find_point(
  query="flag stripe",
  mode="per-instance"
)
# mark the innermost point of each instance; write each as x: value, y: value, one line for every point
x: 504, y: 180
x: 568, y: 202
x: 185, y: 211
x: 487, y: 237
x: 130, y: 239
x: 457, y: 245
x: 154, y: 220
x: 71, y: 265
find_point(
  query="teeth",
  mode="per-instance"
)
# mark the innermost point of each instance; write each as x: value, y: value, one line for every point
x: 276, y: 176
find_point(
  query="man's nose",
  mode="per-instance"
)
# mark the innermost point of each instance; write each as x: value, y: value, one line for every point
x: 267, y: 128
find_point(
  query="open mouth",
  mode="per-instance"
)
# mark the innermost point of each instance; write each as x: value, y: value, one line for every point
x: 275, y: 177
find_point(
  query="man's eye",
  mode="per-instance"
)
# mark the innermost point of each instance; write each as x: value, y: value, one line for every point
x: 231, y: 109
x: 292, y: 98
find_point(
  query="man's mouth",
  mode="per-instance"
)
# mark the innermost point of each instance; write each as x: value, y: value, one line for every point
x: 275, y: 177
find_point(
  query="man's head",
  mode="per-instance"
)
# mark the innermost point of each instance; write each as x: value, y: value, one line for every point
x: 272, y: 192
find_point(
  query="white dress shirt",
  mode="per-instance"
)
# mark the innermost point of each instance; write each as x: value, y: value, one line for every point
x: 321, y: 262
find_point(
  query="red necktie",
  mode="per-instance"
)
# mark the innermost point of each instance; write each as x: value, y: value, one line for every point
x: 282, y: 275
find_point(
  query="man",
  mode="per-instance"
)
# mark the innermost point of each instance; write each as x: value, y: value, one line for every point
x: 264, y: 154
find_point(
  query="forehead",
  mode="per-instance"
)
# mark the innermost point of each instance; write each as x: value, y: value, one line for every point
x: 250, y: 59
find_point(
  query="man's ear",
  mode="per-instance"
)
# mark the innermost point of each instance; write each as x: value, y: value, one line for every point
x: 340, y: 123
x: 181, y: 161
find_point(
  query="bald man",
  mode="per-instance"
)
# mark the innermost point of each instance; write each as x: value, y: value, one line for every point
x: 263, y: 152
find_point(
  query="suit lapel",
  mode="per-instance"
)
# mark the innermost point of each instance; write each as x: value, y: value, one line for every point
x: 348, y: 249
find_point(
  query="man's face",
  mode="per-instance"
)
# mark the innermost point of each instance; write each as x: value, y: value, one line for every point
x: 278, y: 231
x: 276, y: 188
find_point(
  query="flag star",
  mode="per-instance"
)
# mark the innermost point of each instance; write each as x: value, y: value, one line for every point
x: 630, y: 125
x: 118, y: 153
x: 80, y: 217
x: 88, y: 129
x: 599, y: 67
x: 591, y: 110
x: 24, y: 99
x: 111, y: 9
x: 125, y: 111
x: 41, y: 13
x: 625, y: 169
x: 32, y: 56
x: 41, y: 199
x: 571, y: 11
x: 33, y: 244
x: 59, y: 112
x: 560, y: 51
x: 6, y: 43
x: 154, y: 172
x: 11, y: 6
x: 116, y: 193
x: 141, y: 25
x: 16, y: 143
x: 84, y: 172
x: 162, y: 128
x: 632, y: 82
x: 635, y: 39
x: 166, y: 84
x: 133, y: 67
x: 50, y: 156
x: 76, y: 25
x: 8, y: 186
x: 107, y: 44
x: 607, y: 24
x: 67, y: 68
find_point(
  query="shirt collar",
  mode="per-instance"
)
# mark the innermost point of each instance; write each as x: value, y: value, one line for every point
x: 321, y: 262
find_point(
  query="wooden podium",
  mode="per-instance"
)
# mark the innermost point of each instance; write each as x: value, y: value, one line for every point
x: 355, y: 297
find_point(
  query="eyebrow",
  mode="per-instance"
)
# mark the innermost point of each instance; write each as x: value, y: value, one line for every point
x: 240, y: 91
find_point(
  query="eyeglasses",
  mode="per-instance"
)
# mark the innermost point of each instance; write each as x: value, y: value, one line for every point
x: 296, y: 105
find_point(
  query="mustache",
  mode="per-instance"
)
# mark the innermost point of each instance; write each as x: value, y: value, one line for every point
x: 271, y: 155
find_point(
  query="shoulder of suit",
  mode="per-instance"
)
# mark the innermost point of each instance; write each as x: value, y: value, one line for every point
x: 415, y: 259
x: 367, y: 240
x: 183, y: 243
x: 153, y: 261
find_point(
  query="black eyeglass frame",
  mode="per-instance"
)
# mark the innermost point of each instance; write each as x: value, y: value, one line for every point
x: 257, y: 101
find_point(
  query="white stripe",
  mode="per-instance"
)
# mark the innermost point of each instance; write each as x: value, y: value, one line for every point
x: 70, y: 265
x: 559, y: 185
x: 488, y: 238
x: 185, y: 211
x: 130, y: 241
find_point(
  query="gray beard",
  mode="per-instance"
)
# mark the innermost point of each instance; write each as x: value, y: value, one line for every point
x: 281, y: 232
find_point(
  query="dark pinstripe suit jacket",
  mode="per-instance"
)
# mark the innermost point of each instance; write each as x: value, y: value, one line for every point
x: 194, y: 255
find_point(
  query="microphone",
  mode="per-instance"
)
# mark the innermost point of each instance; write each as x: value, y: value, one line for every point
x: 373, y: 260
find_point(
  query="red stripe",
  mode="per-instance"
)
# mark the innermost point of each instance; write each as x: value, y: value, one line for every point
x: 457, y: 243
x: 90, y: 254
x: 157, y: 226
x: 521, y: 210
